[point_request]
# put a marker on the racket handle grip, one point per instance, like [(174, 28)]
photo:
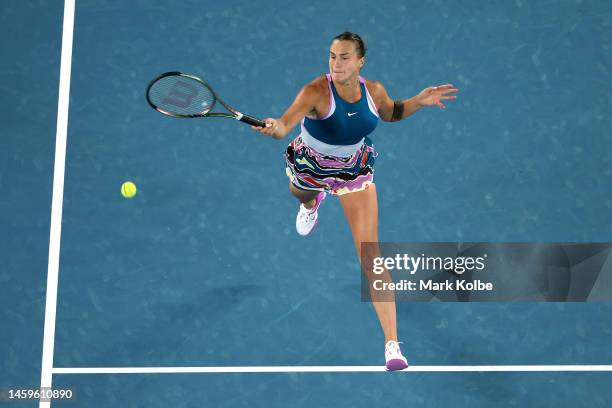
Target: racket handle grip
[(252, 121)]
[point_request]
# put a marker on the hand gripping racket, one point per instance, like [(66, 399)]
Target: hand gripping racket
[(184, 95)]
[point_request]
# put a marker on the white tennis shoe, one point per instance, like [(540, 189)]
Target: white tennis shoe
[(393, 357), (306, 218)]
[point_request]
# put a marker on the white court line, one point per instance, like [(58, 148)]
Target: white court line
[(46, 374), (325, 369)]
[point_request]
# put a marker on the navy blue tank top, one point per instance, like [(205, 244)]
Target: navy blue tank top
[(346, 123)]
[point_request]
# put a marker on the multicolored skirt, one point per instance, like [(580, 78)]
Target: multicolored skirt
[(310, 170)]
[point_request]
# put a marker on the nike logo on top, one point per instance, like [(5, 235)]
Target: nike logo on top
[(352, 113)]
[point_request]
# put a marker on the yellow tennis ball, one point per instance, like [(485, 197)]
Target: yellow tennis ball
[(128, 189)]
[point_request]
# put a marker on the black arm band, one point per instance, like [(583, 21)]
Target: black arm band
[(398, 111)]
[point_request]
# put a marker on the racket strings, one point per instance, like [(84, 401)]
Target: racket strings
[(181, 95)]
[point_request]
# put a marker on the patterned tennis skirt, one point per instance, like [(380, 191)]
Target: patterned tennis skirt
[(310, 170)]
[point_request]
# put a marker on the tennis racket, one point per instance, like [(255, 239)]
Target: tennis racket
[(182, 95)]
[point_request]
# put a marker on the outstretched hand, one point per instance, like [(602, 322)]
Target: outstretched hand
[(434, 95)]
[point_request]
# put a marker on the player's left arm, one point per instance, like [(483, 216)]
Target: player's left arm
[(393, 111)]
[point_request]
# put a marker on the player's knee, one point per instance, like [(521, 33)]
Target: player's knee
[(302, 195), (364, 232), (294, 190)]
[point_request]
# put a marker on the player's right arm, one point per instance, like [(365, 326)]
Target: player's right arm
[(305, 102)]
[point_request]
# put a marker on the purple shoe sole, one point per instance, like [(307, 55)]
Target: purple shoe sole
[(320, 197), (396, 364)]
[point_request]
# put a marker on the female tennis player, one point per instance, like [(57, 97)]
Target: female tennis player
[(334, 155)]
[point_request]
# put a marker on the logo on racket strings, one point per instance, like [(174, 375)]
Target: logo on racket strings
[(181, 95)]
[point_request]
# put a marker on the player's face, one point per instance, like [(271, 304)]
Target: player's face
[(344, 63)]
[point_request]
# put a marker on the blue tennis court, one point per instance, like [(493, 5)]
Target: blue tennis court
[(203, 268)]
